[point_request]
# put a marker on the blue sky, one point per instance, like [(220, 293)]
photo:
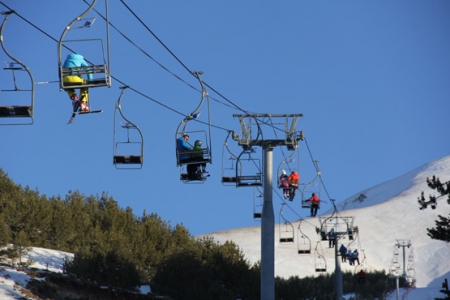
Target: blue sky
[(370, 77)]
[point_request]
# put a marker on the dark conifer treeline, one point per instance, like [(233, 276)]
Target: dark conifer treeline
[(114, 247)]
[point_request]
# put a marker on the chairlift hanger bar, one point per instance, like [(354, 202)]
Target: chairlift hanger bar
[(68, 27), (265, 143), (136, 159), (266, 115)]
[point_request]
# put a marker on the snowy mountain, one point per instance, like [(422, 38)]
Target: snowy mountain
[(386, 215)]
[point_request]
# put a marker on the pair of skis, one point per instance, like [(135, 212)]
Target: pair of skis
[(76, 111)]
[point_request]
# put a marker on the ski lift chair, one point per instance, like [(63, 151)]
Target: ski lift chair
[(286, 229), (100, 71), (257, 203), (303, 242), (16, 110), (133, 146), (320, 262), (247, 163)]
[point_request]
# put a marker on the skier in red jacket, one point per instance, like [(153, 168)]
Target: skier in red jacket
[(315, 201)]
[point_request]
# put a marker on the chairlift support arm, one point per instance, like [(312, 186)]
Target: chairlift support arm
[(7, 14), (247, 139)]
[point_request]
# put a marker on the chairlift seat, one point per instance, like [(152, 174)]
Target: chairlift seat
[(14, 68), (287, 240), (293, 184), (203, 156), (191, 161), (321, 270), (249, 180), (97, 81), (228, 179), (303, 244), (85, 70), (249, 177), (241, 184), (16, 111), (196, 177), (127, 159)]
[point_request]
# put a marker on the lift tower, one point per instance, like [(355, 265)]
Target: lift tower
[(247, 140), (403, 244), (341, 226), (395, 269)]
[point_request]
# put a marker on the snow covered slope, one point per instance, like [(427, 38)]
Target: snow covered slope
[(383, 214)]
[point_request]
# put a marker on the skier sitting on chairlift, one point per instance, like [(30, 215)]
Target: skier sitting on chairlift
[(284, 184), (314, 204), (77, 60), (198, 156), (293, 180), (183, 145)]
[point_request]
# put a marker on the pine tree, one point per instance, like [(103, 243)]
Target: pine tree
[(61, 230), (442, 230), (22, 246), (36, 216), (444, 291), (5, 232)]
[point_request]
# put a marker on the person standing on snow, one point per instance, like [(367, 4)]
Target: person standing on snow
[(331, 238), (350, 257), (343, 251), (355, 256)]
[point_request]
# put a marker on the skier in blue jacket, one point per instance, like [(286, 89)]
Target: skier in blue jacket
[(343, 251), (183, 145), (77, 60)]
